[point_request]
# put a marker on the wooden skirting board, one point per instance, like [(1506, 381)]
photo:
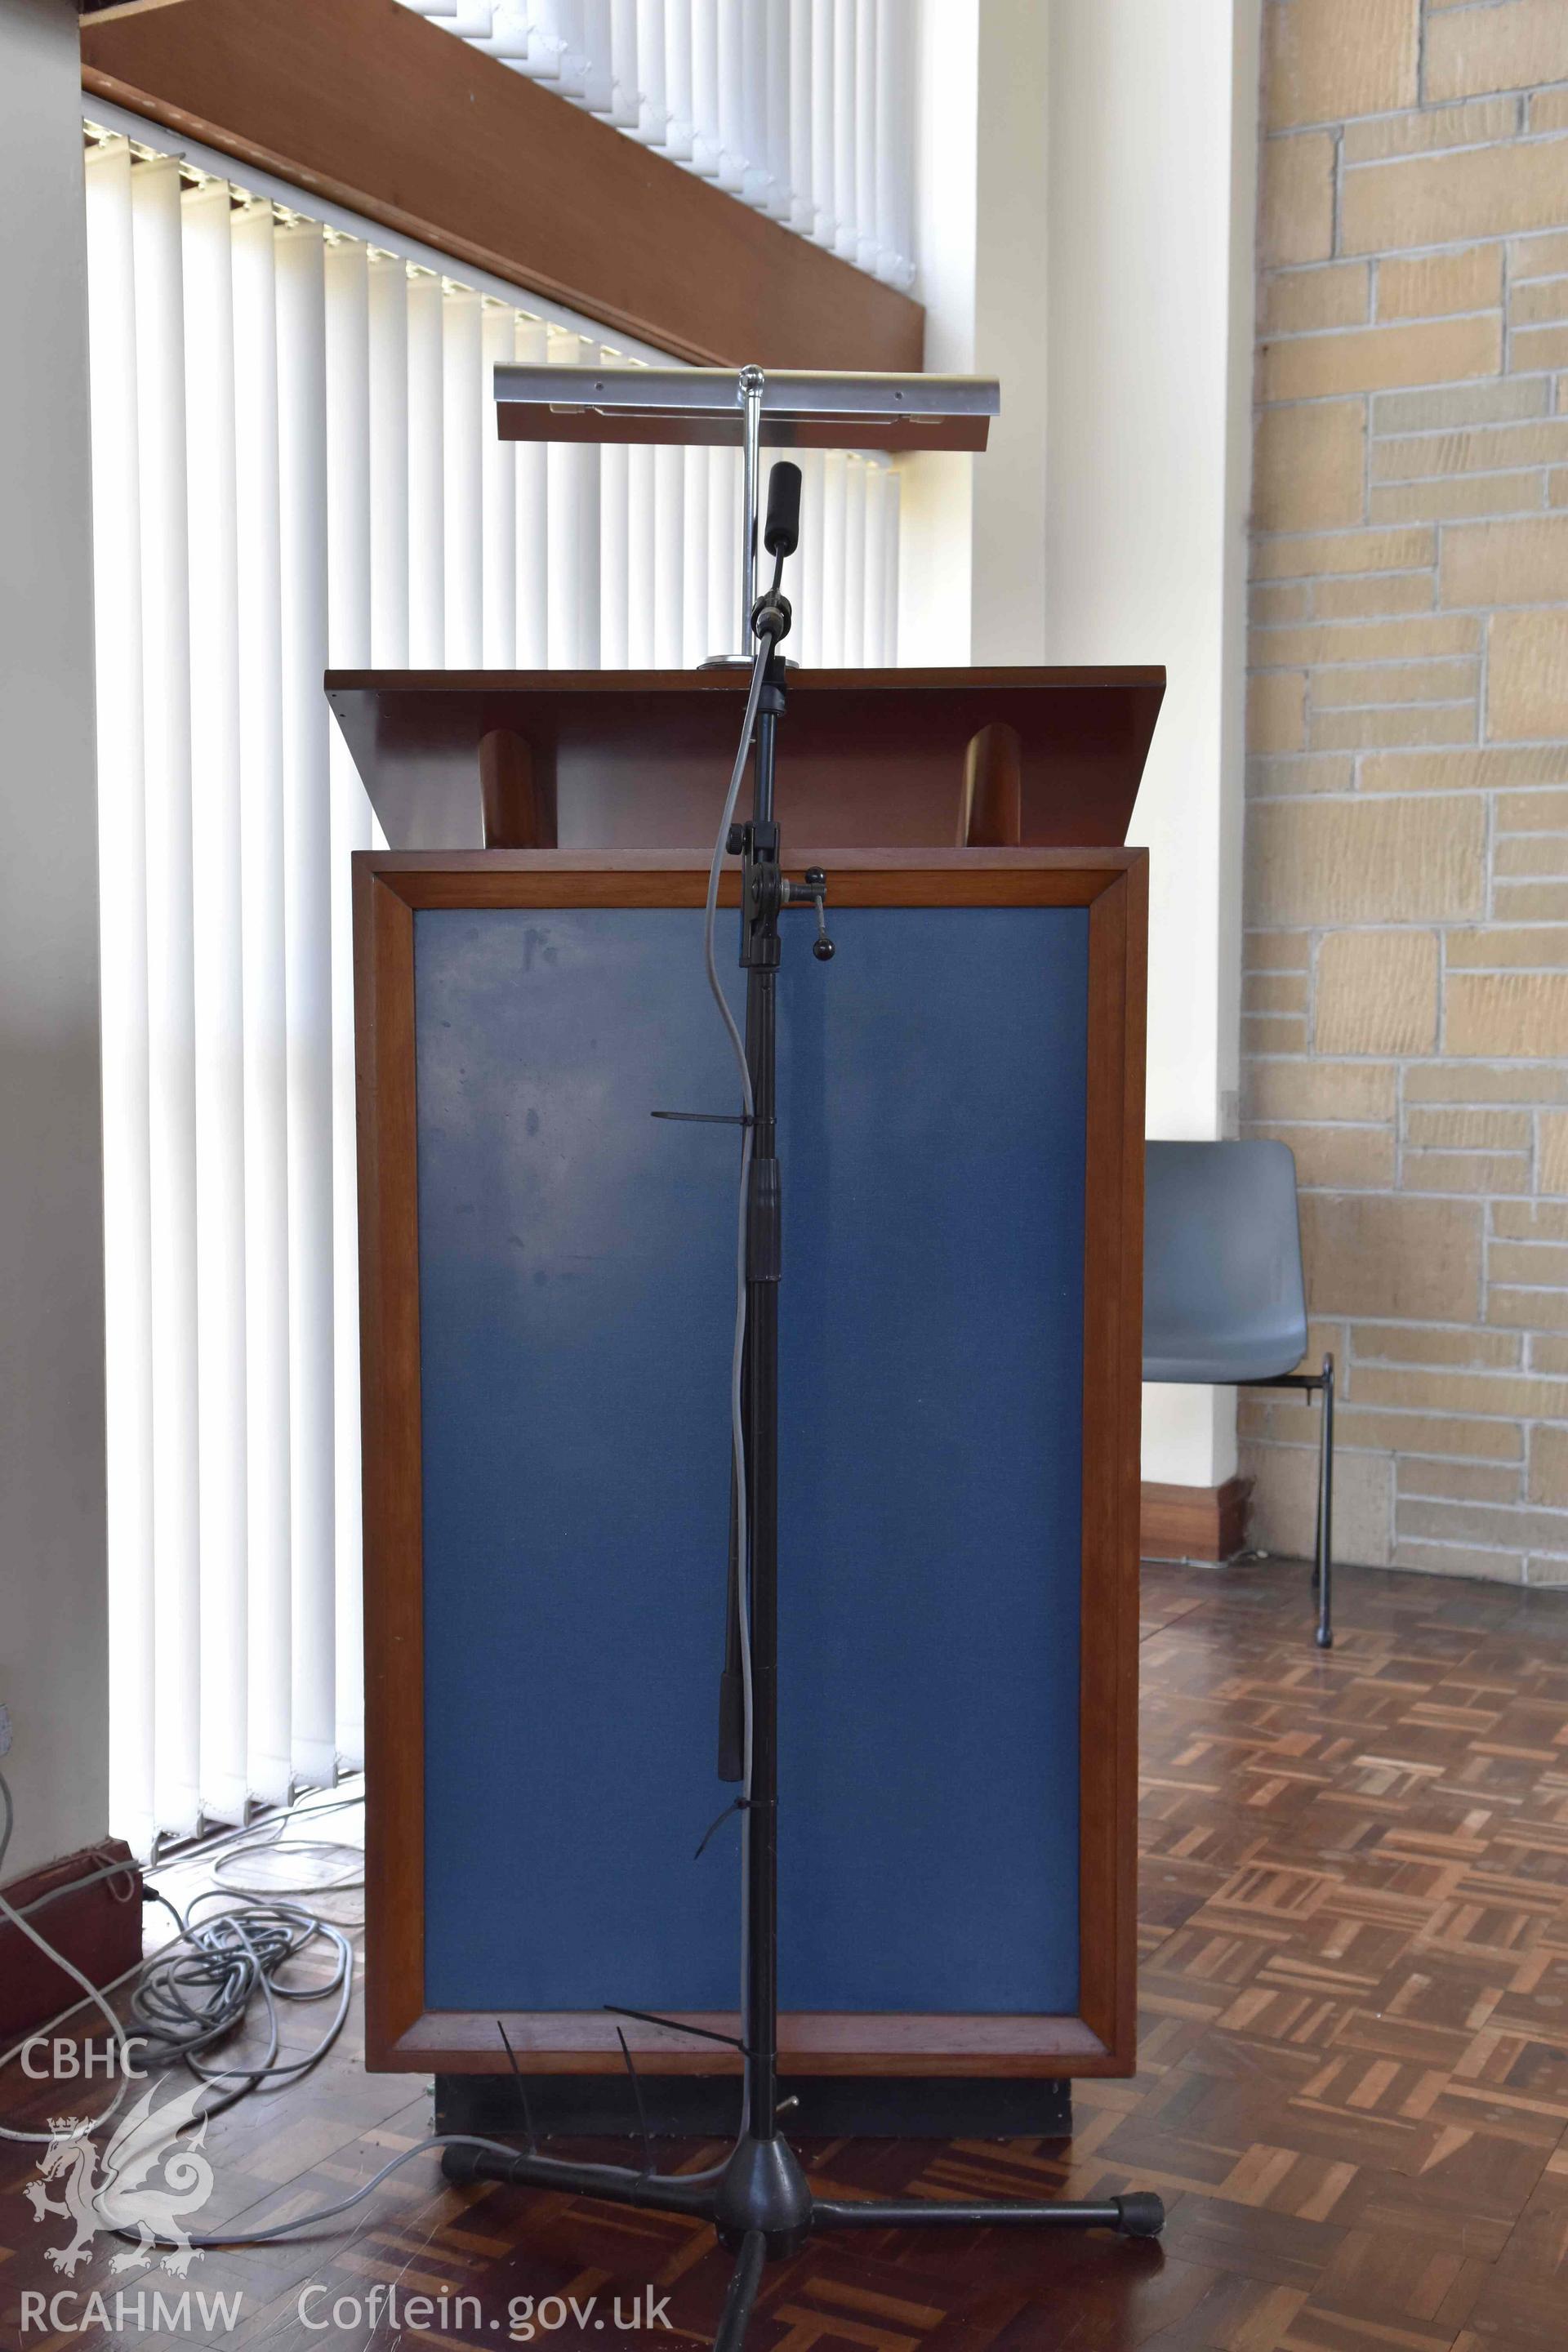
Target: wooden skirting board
[(1193, 1522)]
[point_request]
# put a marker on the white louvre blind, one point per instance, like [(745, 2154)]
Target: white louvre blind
[(801, 109), (295, 464)]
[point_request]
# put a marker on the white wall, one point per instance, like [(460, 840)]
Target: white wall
[(1151, 149), (973, 531), (1087, 200), (53, 1652)]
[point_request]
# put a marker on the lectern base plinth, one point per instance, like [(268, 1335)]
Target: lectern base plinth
[(707, 2106)]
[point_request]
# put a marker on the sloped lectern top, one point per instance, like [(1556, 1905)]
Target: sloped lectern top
[(634, 760)]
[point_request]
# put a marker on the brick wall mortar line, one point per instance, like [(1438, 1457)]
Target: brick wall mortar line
[(1423, 1061), (1411, 1192), (1438, 247), (1521, 135), (1423, 154), (1488, 845), (1443, 432), (1399, 799), (1485, 612), (1371, 661), (1379, 326), (1370, 392), (1457, 702), (1542, 470), (1344, 530), (1401, 1323), (1336, 198)]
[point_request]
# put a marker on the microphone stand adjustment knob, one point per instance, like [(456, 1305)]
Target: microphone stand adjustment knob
[(816, 883), (813, 891)]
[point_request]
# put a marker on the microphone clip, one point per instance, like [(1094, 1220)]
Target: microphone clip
[(771, 616)]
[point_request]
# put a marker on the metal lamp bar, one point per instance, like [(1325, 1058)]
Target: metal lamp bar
[(697, 406)]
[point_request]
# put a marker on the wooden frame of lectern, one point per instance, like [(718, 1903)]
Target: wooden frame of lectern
[(402, 2032)]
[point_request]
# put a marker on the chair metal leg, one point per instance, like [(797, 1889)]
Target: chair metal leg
[(1323, 1544), (1323, 1566)]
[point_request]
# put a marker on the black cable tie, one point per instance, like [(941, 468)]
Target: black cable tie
[(522, 2090), (708, 1118), (736, 1805), (677, 2025), (642, 2111)]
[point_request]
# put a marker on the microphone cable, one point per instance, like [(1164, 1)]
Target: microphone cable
[(748, 1104)]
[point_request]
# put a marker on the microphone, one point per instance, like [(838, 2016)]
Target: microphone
[(783, 527)]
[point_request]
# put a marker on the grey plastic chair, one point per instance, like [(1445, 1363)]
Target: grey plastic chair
[(1225, 1302)]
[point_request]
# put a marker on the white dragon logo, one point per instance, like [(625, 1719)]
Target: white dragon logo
[(128, 2196)]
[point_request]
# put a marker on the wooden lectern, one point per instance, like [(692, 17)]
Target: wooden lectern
[(546, 1276)]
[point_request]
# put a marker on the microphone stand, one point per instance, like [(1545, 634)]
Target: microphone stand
[(759, 2203)]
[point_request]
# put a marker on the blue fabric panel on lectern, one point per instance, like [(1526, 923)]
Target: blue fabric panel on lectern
[(576, 1295)]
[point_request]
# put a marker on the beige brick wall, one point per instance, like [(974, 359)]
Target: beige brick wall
[(1406, 987)]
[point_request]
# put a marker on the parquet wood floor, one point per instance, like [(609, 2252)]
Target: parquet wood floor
[(1353, 2084)]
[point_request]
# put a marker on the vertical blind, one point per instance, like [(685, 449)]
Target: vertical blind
[(801, 109), (295, 464)]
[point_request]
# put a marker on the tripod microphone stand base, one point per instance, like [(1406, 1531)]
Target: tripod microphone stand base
[(762, 2208)]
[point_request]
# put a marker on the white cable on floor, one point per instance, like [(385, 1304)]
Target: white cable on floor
[(233, 1958)]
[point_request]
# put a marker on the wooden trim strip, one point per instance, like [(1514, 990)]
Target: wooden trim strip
[(391, 1437), (364, 103), (879, 877), (1108, 1617), (1130, 1390), (1098, 867), (822, 2042), (1058, 678)]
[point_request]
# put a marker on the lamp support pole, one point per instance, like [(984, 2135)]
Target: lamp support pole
[(749, 393)]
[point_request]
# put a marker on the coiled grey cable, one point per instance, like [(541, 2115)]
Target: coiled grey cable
[(185, 1998)]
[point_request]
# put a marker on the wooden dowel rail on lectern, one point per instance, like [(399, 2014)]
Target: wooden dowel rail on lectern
[(516, 812), (991, 816)]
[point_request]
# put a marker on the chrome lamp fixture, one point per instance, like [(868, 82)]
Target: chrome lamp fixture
[(751, 409)]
